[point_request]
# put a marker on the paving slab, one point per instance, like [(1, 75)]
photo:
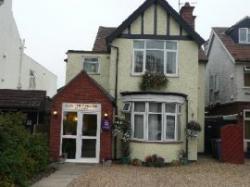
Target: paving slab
[(64, 175)]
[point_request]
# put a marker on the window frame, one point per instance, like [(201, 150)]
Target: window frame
[(246, 70), (164, 115), (32, 77), (247, 41), (245, 119), (165, 51), (98, 62), (129, 107)]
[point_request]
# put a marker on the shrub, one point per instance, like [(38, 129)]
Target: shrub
[(136, 162), (154, 161), (22, 155)]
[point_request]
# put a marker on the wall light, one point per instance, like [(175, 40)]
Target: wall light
[(55, 113), (106, 115)]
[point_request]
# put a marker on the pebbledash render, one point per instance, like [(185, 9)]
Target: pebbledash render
[(154, 38)]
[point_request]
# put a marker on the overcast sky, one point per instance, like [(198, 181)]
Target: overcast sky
[(51, 27)]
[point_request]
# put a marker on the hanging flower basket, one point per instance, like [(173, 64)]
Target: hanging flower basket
[(153, 81), (193, 129)]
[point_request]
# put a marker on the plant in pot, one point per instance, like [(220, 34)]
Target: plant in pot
[(121, 127), (153, 81)]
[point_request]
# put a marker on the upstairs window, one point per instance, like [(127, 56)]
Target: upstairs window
[(155, 56), (244, 35), (247, 76), (91, 65)]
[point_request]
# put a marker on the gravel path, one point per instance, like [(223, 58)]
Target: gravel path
[(206, 172)]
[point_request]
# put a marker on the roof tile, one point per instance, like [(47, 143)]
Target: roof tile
[(240, 52)]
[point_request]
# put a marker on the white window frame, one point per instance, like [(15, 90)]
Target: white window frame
[(98, 62), (247, 33), (164, 121), (32, 77), (216, 83), (165, 51), (246, 119), (129, 107), (133, 113), (246, 71), (166, 114)]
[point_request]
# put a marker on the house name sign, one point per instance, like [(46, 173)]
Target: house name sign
[(81, 107)]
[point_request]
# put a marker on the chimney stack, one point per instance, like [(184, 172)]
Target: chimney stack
[(186, 13)]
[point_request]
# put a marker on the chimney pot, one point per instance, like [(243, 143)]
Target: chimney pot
[(186, 13)]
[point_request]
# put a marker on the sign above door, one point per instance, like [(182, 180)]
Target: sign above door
[(82, 107)]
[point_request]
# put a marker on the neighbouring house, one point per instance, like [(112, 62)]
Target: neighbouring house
[(18, 70), (33, 103), (155, 39), (228, 74)]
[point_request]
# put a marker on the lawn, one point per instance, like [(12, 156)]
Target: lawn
[(205, 172)]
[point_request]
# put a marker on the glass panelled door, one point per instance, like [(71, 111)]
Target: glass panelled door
[(81, 137), (90, 133)]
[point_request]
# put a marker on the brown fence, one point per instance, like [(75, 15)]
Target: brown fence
[(232, 150)]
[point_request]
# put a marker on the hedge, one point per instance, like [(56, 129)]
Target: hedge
[(22, 155)]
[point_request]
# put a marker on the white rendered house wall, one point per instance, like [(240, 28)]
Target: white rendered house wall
[(10, 55)]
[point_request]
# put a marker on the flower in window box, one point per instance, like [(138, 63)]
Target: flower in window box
[(153, 81)]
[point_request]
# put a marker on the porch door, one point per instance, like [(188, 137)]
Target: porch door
[(81, 137), (89, 137)]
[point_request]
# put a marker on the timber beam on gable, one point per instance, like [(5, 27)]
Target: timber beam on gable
[(171, 15)]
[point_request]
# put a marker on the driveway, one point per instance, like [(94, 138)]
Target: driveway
[(64, 175), (206, 172)]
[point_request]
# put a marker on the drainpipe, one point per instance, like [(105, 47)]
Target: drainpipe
[(116, 75), (19, 83), (116, 93), (186, 127)]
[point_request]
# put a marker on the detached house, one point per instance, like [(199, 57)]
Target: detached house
[(228, 73), (106, 81)]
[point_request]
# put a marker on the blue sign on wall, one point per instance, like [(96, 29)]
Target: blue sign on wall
[(106, 125)]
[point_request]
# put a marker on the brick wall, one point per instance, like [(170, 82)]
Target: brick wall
[(232, 144), (82, 89)]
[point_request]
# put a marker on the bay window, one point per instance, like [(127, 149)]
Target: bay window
[(153, 121), (155, 56)]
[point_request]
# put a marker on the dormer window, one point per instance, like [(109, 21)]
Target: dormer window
[(244, 35)]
